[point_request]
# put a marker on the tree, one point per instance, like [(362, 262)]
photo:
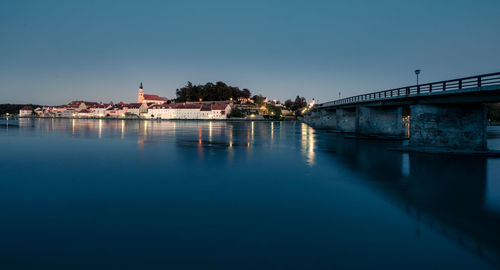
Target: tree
[(235, 112), (245, 93), (210, 92), (258, 99), (14, 108), (274, 112), (299, 103), (289, 104)]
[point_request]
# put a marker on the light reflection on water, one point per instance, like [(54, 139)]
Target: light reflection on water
[(308, 143), (218, 191)]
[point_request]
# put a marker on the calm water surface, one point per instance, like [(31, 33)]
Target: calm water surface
[(104, 194)]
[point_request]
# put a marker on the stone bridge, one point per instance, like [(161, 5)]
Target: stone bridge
[(448, 115)]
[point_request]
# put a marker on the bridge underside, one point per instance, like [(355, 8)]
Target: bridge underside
[(445, 126)]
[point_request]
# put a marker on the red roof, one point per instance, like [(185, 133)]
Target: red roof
[(159, 106), (188, 106), (133, 105), (102, 106), (84, 111), (154, 97), (77, 103), (68, 107), (27, 108), (206, 108), (219, 107)]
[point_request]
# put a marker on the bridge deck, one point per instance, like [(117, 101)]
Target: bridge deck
[(481, 88)]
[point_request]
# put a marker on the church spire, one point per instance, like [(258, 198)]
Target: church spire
[(140, 87)]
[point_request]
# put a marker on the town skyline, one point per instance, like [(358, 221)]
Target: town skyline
[(57, 52)]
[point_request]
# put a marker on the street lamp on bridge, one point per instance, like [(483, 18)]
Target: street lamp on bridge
[(417, 72)]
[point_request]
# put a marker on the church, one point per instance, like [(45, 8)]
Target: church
[(147, 99)]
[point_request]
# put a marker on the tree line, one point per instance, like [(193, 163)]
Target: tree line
[(14, 108), (299, 103), (210, 92)]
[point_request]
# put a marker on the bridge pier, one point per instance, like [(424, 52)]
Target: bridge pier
[(328, 119), (385, 121), (449, 126), (324, 119), (347, 119), (315, 119)]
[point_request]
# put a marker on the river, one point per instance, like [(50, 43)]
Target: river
[(126, 194)]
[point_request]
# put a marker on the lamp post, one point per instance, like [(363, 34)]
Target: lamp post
[(417, 72)]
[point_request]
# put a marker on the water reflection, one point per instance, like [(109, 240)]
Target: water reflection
[(453, 196), (231, 136), (272, 131), (123, 129), (447, 194), (405, 164), (100, 128), (308, 143)]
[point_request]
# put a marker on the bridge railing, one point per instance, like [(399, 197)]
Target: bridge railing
[(422, 89)]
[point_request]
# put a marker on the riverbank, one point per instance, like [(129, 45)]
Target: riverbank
[(145, 119)]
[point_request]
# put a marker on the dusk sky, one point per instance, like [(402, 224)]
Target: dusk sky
[(52, 52)]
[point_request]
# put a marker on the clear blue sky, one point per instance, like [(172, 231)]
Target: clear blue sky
[(52, 52)]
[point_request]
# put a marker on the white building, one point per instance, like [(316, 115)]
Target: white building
[(26, 111), (84, 114), (68, 113), (163, 111), (220, 111), (189, 111), (100, 110)]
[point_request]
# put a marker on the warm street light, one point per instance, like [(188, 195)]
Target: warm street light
[(417, 72)]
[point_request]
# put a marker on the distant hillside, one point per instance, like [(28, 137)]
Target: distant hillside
[(14, 108)]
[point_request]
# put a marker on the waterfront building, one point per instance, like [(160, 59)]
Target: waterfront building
[(69, 112), (26, 111), (161, 111), (137, 108), (220, 111), (146, 98), (59, 110), (75, 106), (38, 111), (85, 113), (100, 110), (189, 111), (116, 111), (44, 111)]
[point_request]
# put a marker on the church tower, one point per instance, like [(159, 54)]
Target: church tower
[(140, 99)]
